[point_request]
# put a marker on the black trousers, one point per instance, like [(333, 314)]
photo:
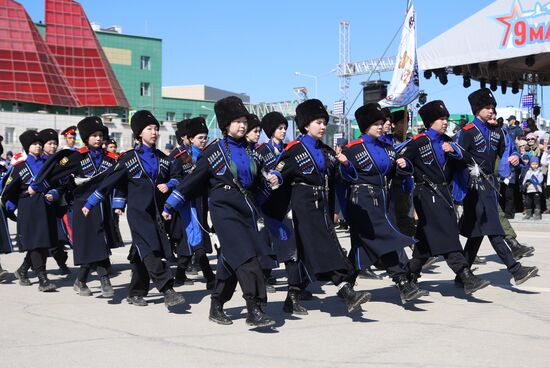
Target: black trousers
[(295, 275), (37, 259), (152, 267), (500, 247), (59, 254), (533, 201), (455, 260), (509, 201), (250, 277), (393, 266), (202, 259), (101, 267)]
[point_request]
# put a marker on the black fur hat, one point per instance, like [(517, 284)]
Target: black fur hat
[(481, 98), (253, 122), (29, 137), (271, 121), (181, 129), (89, 125), (308, 111), (432, 111), (142, 119), (228, 109), (368, 114), (196, 126), (48, 135)]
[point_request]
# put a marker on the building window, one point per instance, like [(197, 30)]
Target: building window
[(186, 115), (170, 116), (117, 137), (172, 140), (8, 136), (145, 63), (145, 89)]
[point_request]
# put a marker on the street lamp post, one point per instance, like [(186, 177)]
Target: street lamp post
[(308, 76)]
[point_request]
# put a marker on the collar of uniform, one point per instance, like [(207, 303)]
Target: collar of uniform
[(368, 139), (95, 150), (434, 135), (146, 149), (195, 151), (239, 143), (310, 141), (278, 146), (481, 125), (32, 158)]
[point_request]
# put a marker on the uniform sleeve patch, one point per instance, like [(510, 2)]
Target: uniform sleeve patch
[(280, 166), (468, 126), (64, 161)]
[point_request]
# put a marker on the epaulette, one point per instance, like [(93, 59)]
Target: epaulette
[(259, 146), (355, 142), (112, 155), (292, 144), (83, 150), (19, 162), (468, 126), (419, 136)]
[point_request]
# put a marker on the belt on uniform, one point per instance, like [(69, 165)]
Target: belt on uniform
[(229, 187), (314, 187), (369, 186)]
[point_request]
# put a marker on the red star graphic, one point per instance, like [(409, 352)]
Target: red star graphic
[(516, 12)]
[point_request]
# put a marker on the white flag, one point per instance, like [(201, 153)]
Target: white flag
[(404, 84)]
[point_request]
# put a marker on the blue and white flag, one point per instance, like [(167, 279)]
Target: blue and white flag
[(404, 86)]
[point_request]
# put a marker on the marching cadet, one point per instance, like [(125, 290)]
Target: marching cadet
[(267, 262), (92, 235), (482, 143), (308, 168), (230, 171), (197, 133), (36, 225), (51, 141), (275, 125), (371, 163), (183, 163), (70, 138), (145, 175), (435, 158)]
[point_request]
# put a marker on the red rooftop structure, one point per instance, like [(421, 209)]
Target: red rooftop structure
[(73, 43), (28, 71)]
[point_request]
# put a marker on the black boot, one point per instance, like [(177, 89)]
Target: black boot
[(107, 290), (22, 274), (81, 288), (217, 314), (44, 284), (471, 282), (524, 274), (368, 273), (519, 250), (136, 300), (408, 291), (3, 274), (255, 316), (353, 298), (181, 277), (292, 302), (413, 280), (171, 298), (537, 214), (193, 268)]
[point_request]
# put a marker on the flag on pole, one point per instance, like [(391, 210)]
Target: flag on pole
[(404, 86)]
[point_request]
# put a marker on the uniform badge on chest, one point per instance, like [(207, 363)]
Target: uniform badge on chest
[(364, 161), (426, 154), (304, 163), (480, 143), (495, 139)]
